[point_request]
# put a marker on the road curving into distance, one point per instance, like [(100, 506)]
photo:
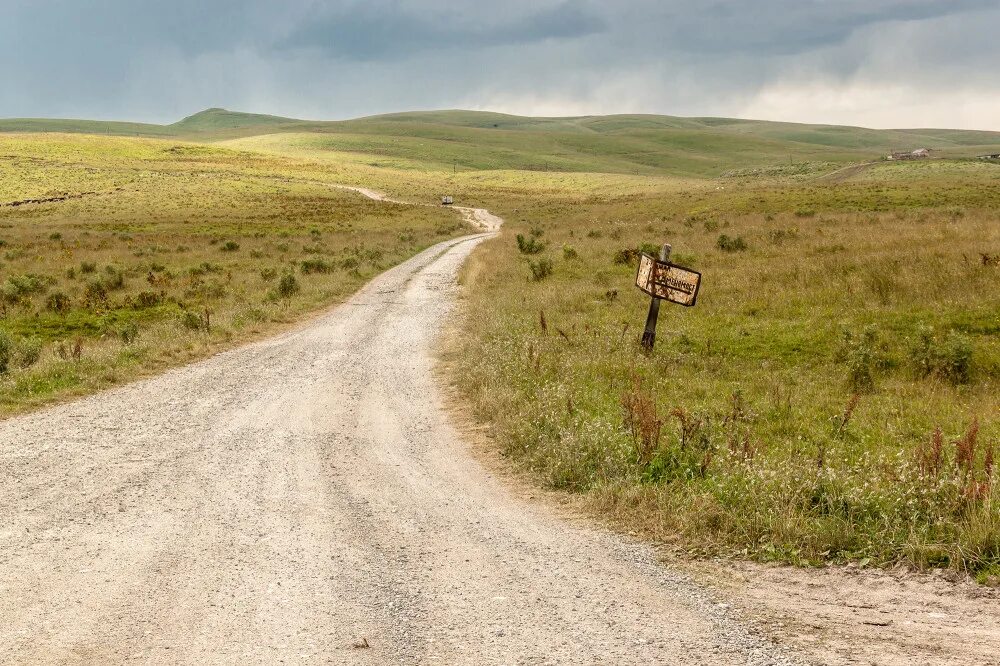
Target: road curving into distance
[(305, 500)]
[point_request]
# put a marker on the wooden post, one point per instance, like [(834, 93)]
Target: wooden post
[(649, 335)]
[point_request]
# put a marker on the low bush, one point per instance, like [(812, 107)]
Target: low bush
[(147, 299), (863, 355), (191, 320), (19, 287), (731, 244), (129, 333), (288, 286), (948, 356), (59, 302), (27, 351), (316, 266), (529, 245), (6, 351), (541, 269)]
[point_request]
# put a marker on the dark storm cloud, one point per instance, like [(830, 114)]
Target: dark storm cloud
[(787, 26), (386, 31), (899, 62)]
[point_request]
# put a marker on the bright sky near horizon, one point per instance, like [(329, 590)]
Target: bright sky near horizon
[(876, 63)]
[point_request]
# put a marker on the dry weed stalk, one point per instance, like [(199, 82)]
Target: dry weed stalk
[(845, 418), (965, 449), (930, 455), (690, 425), (640, 419)]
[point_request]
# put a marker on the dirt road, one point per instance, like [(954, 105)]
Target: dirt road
[(305, 500)]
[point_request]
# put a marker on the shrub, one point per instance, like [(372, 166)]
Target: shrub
[(230, 246), (268, 274), (728, 244), (316, 266), (191, 320), (529, 245), (6, 351), (55, 235), (948, 356), (129, 332), (95, 293), (58, 302), (114, 280), (288, 286), (541, 269), (863, 355), (88, 267), (147, 299), (569, 252), (27, 352), (19, 287)]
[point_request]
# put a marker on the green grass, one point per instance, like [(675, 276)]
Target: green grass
[(759, 373), (139, 243), (790, 416), (626, 144)]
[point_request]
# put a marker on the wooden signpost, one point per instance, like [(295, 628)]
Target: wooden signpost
[(664, 281)]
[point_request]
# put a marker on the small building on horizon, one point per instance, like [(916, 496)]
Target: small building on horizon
[(918, 154)]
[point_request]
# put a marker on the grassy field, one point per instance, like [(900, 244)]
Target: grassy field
[(638, 144), (833, 396), (120, 257)]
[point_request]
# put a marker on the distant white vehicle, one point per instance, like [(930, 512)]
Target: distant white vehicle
[(447, 201)]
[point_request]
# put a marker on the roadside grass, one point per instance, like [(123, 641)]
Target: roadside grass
[(146, 254), (833, 397)]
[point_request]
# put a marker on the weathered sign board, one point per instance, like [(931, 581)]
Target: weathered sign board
[(669, 282)]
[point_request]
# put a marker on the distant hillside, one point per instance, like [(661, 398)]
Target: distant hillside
[(214, 120), (645, 144)]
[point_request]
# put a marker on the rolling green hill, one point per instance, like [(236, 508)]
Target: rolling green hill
[(639, 144)]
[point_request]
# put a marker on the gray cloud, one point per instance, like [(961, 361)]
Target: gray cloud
[(376, 31), (874, 62)]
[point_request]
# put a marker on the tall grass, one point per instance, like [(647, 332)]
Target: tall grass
[(151, 255), (833, 396)]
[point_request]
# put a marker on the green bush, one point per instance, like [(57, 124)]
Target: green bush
[(19, 287), (541, 269), (728, 244), (316, 266), (95, 293), (58, 302), (863, 355), (569, 252), (6, 351), (230, 246), (147, 299), (22, 353), (288, 286), (27, 352), (129, 332), (948, 356), (191, 320), (529, 245)]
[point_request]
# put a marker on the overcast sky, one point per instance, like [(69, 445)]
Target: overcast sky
[(878, 63)]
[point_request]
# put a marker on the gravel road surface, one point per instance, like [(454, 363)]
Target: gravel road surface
[(305, 500)]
